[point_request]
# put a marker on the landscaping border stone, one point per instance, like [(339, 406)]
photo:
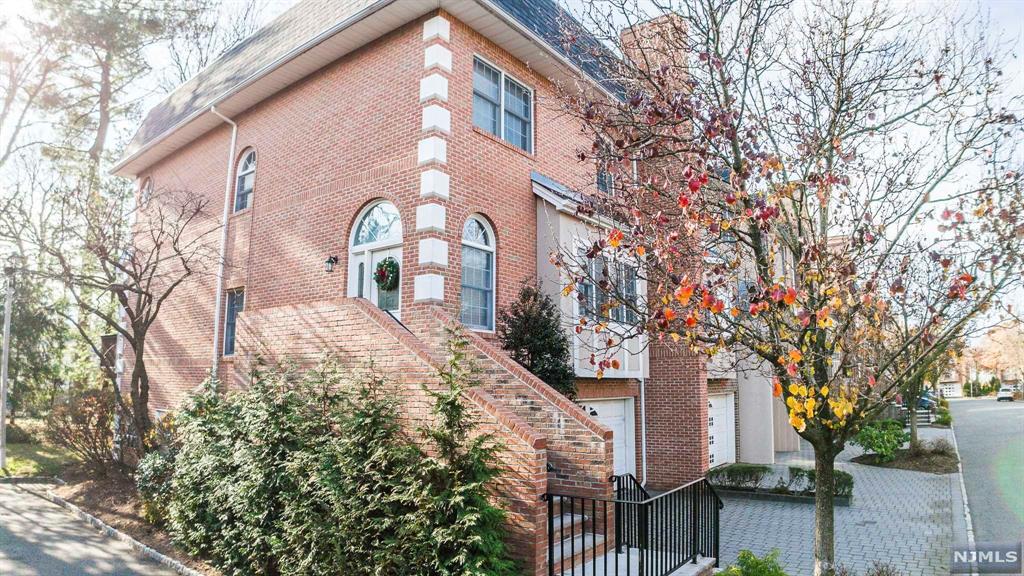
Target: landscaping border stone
[(775, 497), (105, 528)]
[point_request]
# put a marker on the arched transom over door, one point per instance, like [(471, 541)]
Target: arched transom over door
[(375, 257)]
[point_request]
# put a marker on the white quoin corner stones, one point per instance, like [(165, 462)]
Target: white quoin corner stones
[(437, 56), (434, 184), (433, 252), (430, 218), (432, 150), (432, 155), (428, 288), (434, 87), (437, 118), (437, 27)]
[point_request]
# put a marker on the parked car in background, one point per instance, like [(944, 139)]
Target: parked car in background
[(1005, 393)]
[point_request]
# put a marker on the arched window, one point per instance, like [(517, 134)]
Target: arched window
[(146, 192), (376, 238), (478, 274), (245, 180)]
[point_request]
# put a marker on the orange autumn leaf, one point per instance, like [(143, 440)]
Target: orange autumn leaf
[(691, 321), (790, 297), (795, 355), (615, 238), (734, 312), (717, 307), (683, 293), (615, 364), (777, 388), (670, 314)]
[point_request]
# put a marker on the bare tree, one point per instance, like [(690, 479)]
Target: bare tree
[(119, 262), (216, 28), (783, 179), (28, 63)]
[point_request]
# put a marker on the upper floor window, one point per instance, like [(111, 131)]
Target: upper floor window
[(477, 274), (502, 106), (235, 304), (614, 296), (146, 192), (605, 183), (245, 181)]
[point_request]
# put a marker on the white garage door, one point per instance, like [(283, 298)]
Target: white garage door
[(721, 430), (617, 415)]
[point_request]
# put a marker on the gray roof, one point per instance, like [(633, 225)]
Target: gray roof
[(310, 18), (300, 23)]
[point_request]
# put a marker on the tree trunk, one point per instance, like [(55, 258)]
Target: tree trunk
[(140, 400), (913, 426), (824, 512)]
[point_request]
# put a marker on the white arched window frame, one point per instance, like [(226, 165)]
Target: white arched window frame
[(245, 180), (477, 296), (378, 229)]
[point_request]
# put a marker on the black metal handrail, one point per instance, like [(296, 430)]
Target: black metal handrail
[(652, 536)]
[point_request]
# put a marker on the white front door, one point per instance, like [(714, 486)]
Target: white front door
[(721, 430), (618, 416), (389, 300)]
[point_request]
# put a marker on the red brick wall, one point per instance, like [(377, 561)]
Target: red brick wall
[(363, 338), (677, 416)]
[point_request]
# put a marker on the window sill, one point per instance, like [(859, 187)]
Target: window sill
[(505, 144), (241, 212), (227, 358)]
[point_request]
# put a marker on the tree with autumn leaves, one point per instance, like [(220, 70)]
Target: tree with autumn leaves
[(833, 191)]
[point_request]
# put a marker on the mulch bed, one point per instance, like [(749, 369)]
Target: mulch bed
[(114, 499), (934, 462)]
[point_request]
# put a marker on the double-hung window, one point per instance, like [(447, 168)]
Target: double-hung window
[(477, 306), (235, 304), (245, 181), (502, 106), (609, 291)]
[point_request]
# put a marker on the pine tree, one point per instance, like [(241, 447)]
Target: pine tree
[(530, 330)]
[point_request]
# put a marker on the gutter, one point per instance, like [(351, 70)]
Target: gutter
[(218, 295), (301, 49)]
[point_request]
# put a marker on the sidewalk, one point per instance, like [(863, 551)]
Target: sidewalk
[(901, 517), (38, 538)]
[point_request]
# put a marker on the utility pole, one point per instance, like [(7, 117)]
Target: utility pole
[(8, 299)]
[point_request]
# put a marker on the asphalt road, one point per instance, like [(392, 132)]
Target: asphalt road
[(38, 538), (990, 436)]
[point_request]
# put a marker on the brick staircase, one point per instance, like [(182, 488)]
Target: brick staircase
[(551, 445)]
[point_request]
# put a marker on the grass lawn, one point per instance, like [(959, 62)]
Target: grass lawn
[(35, 459)]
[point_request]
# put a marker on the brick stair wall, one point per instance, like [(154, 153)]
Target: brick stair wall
[(535, 425)]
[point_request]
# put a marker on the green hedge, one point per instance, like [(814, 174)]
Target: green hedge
[(883, 437), (309, 474), (739, 475)]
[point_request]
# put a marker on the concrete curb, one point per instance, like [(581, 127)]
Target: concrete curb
[(963, 493), (31, 480), (108, 530)]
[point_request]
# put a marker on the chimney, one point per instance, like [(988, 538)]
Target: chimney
[(658, 44)]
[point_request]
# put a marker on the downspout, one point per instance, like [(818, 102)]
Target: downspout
[(218, 298), (643, 419)]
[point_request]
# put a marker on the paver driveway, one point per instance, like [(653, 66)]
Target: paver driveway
[(901, 517), (39, 538)]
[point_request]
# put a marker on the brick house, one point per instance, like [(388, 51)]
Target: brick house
[(347, 133)]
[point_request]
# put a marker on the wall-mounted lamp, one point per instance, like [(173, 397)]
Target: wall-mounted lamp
[(329, 263)]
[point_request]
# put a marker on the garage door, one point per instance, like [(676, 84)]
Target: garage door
[(618, 416), (721, 430)]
